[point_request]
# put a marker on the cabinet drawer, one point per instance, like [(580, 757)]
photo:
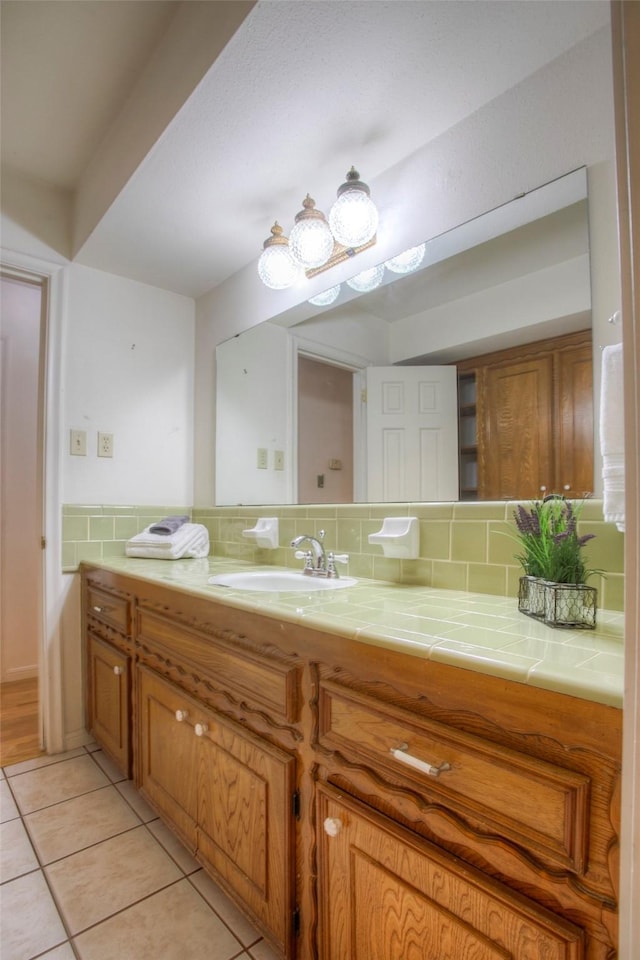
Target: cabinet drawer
[(536, 804), (109, 609), (265, 683)]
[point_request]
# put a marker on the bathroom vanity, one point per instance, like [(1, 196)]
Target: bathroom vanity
[(355, 795)]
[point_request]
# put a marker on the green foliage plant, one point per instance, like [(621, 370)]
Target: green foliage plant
[(550, 546)]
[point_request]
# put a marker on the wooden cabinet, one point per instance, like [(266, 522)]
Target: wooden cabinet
[(534, 415), (387, 894), (109, 673), (358, 802), (228, 795)]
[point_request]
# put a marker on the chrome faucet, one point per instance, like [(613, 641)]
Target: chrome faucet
[(317, 563)]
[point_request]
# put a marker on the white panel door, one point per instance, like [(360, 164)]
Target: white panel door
[(412, 434)]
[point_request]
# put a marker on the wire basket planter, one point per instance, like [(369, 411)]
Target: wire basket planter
[(569, 605)]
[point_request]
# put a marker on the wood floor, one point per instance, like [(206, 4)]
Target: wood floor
[(19, 736)]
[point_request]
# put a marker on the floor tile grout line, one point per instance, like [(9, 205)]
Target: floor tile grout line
[(259, 936)]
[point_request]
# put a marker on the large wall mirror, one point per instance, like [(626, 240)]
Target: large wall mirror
[(424, 388)]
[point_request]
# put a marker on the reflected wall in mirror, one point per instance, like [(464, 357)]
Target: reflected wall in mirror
[(516, 276)]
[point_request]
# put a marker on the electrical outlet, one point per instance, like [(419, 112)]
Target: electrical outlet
[(278, 459), (78, 446), (105, 444), (262, 458)]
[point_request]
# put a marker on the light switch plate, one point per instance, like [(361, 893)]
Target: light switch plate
[(78, 443)]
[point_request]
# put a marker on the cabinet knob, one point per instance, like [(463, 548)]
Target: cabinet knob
[(98, 609), (200, 729), (567, 486), (117, 671), (181, 715), (332, 826), (542, 488)]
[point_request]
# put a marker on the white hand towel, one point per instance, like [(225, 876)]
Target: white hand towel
[(191, 540), (612, 435)]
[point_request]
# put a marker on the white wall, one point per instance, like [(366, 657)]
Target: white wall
[(252, 411), (128, 370)]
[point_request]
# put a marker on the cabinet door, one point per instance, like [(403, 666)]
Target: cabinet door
[(109, 677), (245, 823), (385, 894), (517, 458), (574, 463), (169, 751)]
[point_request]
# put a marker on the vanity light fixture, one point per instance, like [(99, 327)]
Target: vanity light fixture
[(408, 261), (325, 298), (276, 267), (315, 244), (367, 280)]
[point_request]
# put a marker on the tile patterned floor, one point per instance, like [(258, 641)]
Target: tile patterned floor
[(88, 872)]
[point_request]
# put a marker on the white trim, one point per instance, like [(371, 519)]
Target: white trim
[(51, 277)]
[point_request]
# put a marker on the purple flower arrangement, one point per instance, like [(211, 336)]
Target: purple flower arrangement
[(550, 546)]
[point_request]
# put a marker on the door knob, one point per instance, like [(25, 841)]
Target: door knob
[(200, 729), (181, 715), (332, 826), (117, 671)]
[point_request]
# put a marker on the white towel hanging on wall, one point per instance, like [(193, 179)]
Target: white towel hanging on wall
[(612, 435)]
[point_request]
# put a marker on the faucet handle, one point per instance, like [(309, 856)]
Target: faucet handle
[(332, 559), (339, 557), (302, 554)]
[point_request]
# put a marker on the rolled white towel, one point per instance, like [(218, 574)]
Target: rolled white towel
[(612, 435)]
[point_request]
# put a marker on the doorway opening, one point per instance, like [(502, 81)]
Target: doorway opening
[(22, 369), (325, 432)]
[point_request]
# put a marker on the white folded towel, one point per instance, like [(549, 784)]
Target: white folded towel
[(190, 540), (612, 435)]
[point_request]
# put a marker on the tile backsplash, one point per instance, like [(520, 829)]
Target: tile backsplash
[(463, 546)]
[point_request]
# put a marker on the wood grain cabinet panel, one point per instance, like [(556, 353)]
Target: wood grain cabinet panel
[(114, 611), (385, 894), (108, 697), (228, 794), (538, 805)]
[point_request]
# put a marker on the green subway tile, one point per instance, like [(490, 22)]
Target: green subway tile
[(435, 539), (488, 578), (69, 559), (382, 510), (353, 511), (360, 565), (321, 510), (349, 536), (513, 580), (417, 572), (591, 510), (90, 550), (502, 544), (75, 528), (125, 527), (431, 511), (113, 548), (119, 510), (101, 528), (449, 576), (387, 568), (79, 510), (606, 552), (611, 596), (469, 541), (479, 511)]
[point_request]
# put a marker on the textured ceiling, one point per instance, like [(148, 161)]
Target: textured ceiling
[(300, 92)]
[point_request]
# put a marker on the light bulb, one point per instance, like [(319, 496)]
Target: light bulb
[(310, 241), (326, 297), (408, 260), (276, 267), (353, 218), (367, 279)]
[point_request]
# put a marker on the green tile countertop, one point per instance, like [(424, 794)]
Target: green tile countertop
[(475, 631)]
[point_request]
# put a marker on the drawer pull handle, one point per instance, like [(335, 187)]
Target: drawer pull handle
[(332, 826), (181, 715), (400, 753), (200, 729), (117, 671), (98, 609)]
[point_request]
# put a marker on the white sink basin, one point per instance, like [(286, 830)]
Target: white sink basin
[(279, 580)]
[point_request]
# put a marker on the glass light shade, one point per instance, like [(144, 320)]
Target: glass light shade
[(367, 280), (276, 267), (353, 218), (326, 297), (408, 260), (310, 240)]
